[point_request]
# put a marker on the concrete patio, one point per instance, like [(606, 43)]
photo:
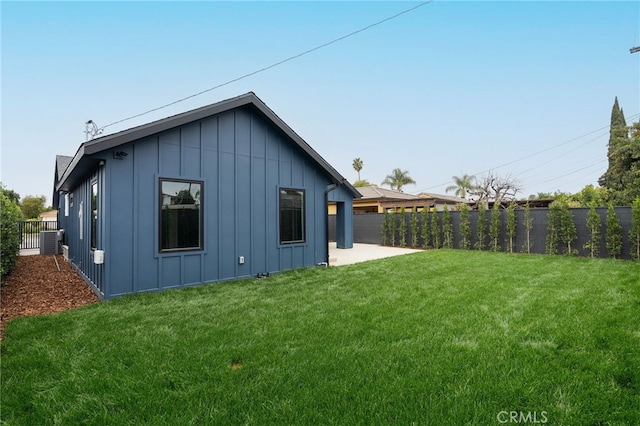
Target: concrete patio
[(363, 252)]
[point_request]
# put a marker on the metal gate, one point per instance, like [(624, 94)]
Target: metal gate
[(30, 232)]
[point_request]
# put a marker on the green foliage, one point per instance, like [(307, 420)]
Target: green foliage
[(385, 228), (465, 227), (462, 185), (11, 194), (634, 232), (512, 224), (494, 227), (447, 228), (569, 233), (414, 227), (613, 233), (393, 226), (590, 194), (357, 165), (622, 177), (402, 227), (554, 228), (481, 226), (435, 230), (10, 217), (528, 227), (593, 225), (32, 206), (361, 183), (397, 179), (425, 228)]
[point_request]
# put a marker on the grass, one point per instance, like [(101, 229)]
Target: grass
[(438, 337)]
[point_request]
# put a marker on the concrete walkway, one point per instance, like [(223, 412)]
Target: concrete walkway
[(362, 253)]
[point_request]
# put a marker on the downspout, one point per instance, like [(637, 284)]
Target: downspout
[(326, 214)]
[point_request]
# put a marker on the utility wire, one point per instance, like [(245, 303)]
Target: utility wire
[(306, 52), (628, 118)]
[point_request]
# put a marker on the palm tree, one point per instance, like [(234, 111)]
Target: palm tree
[(462, 185), (357, 165), (397, 179)]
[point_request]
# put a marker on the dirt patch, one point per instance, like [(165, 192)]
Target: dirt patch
[(36, 287)]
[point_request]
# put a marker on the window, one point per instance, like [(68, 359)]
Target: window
[(94, 215), (292, 226), (181, 215)]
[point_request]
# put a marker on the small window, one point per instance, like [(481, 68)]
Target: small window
[(94, 215), (292, 226), (181, 215)]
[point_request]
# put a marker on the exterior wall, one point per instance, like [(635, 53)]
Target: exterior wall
[(243, 161)]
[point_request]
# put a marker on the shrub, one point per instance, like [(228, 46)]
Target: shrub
[(528, 226), (392, 227), (614, 234), (426, 230), (593, 224), (403, 227), (465, 227), (10, 216), (512, 224), (447, 228), (414, 227), (568, 233), (385, 227), (494, 227), (481, 228), (435, 230), (554, 227)]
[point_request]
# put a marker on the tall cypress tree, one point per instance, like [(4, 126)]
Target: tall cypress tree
[(616, 177)]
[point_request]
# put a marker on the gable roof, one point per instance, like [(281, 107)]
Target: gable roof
[(377, 193), (80, 165), (62, 162)]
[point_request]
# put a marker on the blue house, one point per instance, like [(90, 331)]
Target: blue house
[(216, 193)]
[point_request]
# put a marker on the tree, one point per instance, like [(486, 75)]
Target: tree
[(414, 227), (554, 227), (435, 230), (512, 224), (593, 224), (360, 183), (10, 217), (494, 227), (32, 206), (447, 228), (481, 227), (426, 229), (357, 165), (622, 177), (613, 236), (463, 185), (397, 179), (403, 227), (528, 226), (11, 194), (491, 187), (590, 194), (465, 227), (568, 229), (385, 227)]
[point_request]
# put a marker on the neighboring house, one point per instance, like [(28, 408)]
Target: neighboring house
[(376, 200), (50, 216), (438, 201), (219, 192)]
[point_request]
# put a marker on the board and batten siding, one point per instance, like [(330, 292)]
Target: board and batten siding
[(243, 161)]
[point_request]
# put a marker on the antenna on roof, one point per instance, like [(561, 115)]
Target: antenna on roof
[(91, 130)]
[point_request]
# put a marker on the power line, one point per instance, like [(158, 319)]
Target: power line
[(306, 52), (628, 118)]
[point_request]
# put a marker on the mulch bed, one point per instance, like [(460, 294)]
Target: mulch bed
[(36, 287)]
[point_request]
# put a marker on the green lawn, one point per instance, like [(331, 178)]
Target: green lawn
[(438, 337)]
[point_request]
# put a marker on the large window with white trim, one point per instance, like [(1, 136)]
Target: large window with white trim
[(181, 215), (292, 212)]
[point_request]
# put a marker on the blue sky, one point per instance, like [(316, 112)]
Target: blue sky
[(450, 88)]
